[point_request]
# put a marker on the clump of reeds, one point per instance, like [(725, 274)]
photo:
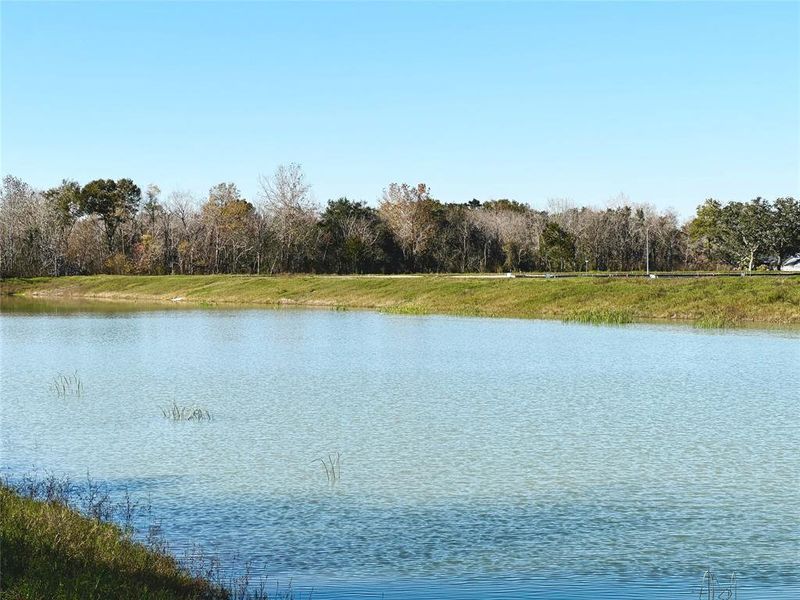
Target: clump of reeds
[(711, 587), (67, 385), (600, 317), (714, 321), (332, 466), (185, 413)]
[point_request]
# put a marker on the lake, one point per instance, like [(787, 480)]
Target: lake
[(479, 458)]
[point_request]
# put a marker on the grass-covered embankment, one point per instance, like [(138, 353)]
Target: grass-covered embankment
[(709, 301), (49, 551)]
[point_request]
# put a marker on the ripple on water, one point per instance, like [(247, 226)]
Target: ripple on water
[(479, 457)]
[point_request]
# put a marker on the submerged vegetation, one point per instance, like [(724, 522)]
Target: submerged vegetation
[(732, 300)]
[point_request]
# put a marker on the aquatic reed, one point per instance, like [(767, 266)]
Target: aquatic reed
[(185, 413), (711, 587), (332, 466), (67, 385)]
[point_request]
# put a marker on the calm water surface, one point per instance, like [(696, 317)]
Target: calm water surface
[(479, 458)]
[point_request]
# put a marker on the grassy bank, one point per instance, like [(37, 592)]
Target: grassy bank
[(707, 301), (49, 551)]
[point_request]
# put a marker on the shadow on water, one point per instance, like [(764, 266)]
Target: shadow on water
[(113, 502)]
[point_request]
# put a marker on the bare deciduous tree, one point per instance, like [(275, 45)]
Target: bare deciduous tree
[(290, 214), (408, 211)]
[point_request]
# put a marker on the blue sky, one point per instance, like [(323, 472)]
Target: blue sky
[(667, 103)]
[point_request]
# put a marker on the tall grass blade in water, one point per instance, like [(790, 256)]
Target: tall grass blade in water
[(332, 466), (67, 385), (185, 413)]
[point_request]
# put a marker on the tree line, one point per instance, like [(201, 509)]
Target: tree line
[(112, 226)]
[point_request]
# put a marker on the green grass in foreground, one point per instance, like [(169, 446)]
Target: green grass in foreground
[(708, 301), (49, 551)]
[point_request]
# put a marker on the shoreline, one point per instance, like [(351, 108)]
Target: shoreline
[(51, 549), (705, 301)]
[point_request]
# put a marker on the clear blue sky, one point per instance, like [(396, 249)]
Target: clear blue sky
[(669, 103)]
